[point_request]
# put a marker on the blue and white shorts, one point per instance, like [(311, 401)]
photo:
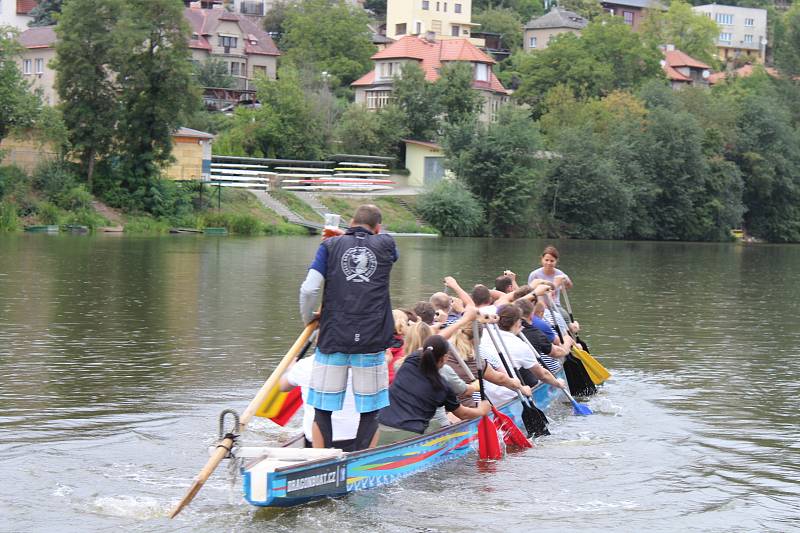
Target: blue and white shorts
[(329, 381)]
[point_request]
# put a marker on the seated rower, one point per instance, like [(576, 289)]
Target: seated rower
[(418, 390), (344, 422), (551, 355), (520, 355), (395, 352)]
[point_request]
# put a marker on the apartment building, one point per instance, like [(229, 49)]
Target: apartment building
[(441, 19), (539, 31), (742, 30)]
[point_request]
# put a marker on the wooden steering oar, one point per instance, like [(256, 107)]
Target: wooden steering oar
[(572, 318), (224, 447)]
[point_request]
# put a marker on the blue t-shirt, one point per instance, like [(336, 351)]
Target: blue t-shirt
[(542, 325)]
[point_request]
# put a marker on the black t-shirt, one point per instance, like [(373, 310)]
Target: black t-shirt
[(413, 399), (537, 337)]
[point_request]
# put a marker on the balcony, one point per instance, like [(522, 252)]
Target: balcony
[(254, 8)]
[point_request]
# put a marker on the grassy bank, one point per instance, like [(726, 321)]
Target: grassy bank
[(396, 216)]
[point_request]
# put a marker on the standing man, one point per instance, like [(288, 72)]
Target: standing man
[(356, 325)]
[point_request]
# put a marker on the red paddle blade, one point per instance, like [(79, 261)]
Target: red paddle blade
[(488, 443), (292, 402), (511, 432)]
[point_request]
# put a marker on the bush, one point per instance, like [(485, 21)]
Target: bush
[(48, 213), (9, 221), (76, 199), (240, 224), (86, 217), (11, 178), (452, 209), (55, 180)]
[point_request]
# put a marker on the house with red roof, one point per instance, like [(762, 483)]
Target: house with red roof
[(683, 70), (16, 13), (374, 89)]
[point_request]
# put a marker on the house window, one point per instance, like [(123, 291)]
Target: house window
[(26, 66), (252, 7), (39, 66), (445, 7), (259, 70), (627, 16), (458, 8), (533, 42), (481, 72), (725, 37), (228, 42), (418, 28), (426, 4), (455, 30), (748, 39), (400, 29), (238, 69), (388, 70), (437, 6), (749, 23), (724, 19), (378, 99)]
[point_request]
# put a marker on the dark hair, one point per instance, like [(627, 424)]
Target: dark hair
[(509, 314), (368, 215), (433, 350), (522, 291), (502, 283), (481, 295), (525, 307), (425, 311), (550, 250)]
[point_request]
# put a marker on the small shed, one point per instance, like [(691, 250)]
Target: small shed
[(192, 153), (425, 162)]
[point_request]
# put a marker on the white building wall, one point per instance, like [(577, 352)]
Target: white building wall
[(9, 17), (741, 29)]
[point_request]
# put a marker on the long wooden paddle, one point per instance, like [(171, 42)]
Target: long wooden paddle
[(534, 419), (577, 408), (224, 447), (488, 443), (572, 318), (596, 371)]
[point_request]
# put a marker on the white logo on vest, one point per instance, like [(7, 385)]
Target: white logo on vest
[(358, 264)]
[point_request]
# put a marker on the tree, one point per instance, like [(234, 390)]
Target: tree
[(419, 102), (499, 165), (787, 49), (274, 20), (84, 63), (331, 37), (19, 107), (607, 56), (458, 101), (588, 9), (450, 208), (45, 12), (504, 21), (525, 9), (690, 32), (361, 131), (214, 73), (154, 76)]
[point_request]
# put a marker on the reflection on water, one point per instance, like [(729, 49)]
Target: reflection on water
[(116, 354)]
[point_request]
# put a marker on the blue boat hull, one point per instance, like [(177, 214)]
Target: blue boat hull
[(376, 467)]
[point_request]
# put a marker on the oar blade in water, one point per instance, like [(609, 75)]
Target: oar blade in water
[(488, 443), (511, 433)]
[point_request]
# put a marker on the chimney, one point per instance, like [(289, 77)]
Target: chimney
[(430, 36)]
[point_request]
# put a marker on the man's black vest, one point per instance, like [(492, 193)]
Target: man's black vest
[(356, 309)]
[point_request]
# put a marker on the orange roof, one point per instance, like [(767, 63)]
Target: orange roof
[(24, 7), (204, 23), (431, 55), (432, 146), (742, 72), (676, 58), (674, 75)]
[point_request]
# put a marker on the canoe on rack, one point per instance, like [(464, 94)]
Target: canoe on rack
[(293, 474)]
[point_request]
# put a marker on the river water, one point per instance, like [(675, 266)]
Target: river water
[(117, 354)]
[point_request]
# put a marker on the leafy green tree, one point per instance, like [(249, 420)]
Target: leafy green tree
[(330, 37), (45, 12), (499, 165), (361, 131), (19, 106), (419, 102), (787, 49), (690, 32), (376, 6), (606, 57), (457, 99), (274, 20), (214, 73), (85, 53), (525, 9), (504, 21), (450, 208), (588, 9), (154, 76)]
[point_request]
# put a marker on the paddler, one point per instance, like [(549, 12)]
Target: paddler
[(356, 324)]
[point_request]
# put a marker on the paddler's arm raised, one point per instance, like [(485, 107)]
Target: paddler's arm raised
[(311, 289)]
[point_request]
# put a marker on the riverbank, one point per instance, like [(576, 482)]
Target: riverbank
[(26, 201)]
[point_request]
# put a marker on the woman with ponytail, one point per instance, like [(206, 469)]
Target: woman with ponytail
[(418, 390)]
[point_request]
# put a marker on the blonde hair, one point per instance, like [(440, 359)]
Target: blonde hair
[(462, 341), (416, 335), (400, 322)]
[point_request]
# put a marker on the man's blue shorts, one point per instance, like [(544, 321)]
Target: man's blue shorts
[(329, 381)]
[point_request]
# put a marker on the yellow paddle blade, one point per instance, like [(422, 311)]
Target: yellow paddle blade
[(272, 404), (596, 371)]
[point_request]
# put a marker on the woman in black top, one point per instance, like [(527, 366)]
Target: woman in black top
[(418, 390)]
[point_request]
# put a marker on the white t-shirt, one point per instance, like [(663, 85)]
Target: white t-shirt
[(344, 422), (521, 356), (488, 310)]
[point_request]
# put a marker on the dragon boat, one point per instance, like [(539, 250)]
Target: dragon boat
[(292, 474)]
